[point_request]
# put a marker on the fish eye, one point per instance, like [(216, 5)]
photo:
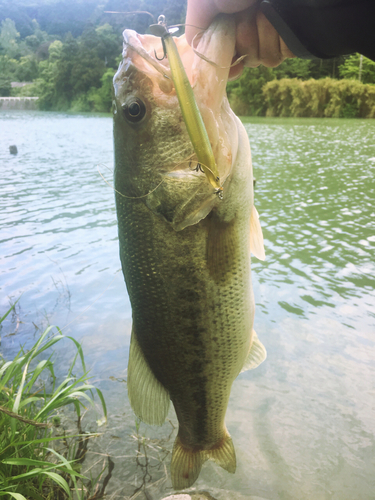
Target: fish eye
[(134, 110)]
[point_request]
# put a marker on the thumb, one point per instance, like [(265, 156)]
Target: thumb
[(199, 16)]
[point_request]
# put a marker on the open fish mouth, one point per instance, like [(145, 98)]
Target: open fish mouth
[(207, 68)]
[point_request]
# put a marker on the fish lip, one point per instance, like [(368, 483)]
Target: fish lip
[(137, 43)]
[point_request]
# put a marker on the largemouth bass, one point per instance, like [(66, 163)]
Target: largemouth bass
[(185, 252)]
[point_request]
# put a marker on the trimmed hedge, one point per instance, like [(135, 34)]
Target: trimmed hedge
[(319, 98)]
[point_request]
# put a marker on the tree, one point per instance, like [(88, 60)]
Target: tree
[(101, 99), (5, 86), (294, 68), (109, 44), (245, 94), (27, 69), (55, 51), (9, 38), (351, 68)]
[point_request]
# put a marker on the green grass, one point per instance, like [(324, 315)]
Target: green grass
[(30, 465)]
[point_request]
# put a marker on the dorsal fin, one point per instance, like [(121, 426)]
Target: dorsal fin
[(256, 236)]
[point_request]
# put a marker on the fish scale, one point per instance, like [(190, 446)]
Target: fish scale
[(163, 306)]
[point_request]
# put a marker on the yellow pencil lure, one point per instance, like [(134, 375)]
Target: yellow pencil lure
[(189, 108)]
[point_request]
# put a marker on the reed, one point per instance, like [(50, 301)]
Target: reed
[(30, 465), (319, 98)]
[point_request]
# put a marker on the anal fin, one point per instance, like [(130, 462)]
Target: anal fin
[(148, 397), (256, 356)]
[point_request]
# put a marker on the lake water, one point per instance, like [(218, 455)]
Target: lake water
[(303, 423)]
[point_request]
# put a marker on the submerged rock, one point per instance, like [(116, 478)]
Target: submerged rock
[(13, 150), (218, 495), (194, 496)]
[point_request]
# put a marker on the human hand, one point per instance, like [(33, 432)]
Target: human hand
[(255, 36)]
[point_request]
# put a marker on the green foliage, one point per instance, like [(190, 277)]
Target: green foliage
[(351, 69), (101, 99), (8, 68), (107, 44), (27, 69), (294, 68), (245, 94), (277, 91), (29, 467), (70, 50), (5, 86), (75, 75), (320, 98), (9, 38)]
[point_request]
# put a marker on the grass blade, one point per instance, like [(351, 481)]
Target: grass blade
[(9, 311), (60, 481), (100, 394), (79, 349), (17, 496)]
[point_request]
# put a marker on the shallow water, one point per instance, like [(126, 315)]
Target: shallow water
[(303, 422)]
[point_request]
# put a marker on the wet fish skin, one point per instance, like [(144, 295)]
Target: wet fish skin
[(186, 261)]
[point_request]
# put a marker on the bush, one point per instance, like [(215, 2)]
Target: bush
[(319, 98), (245, 94)]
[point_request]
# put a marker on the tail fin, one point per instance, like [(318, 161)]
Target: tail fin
[(224, 455), (187, 464)]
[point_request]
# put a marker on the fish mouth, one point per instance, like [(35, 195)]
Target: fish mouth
[(207, 66), (146, 47), (213, 54)]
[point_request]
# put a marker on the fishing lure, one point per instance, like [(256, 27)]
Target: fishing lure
[(189, 108)]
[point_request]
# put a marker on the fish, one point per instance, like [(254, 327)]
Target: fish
[(184, 250)]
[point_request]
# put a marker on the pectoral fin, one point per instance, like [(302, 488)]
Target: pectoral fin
[(256, 236), (148, 397), (179, 206), (256, 356)]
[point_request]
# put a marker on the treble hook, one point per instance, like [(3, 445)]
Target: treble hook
[(164, 51), (160, 30)]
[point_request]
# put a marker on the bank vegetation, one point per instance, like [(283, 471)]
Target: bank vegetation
[(70, 55), (278, 92)]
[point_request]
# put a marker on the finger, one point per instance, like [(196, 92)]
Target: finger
[(201, 13), (247, 40), (235, 71), (285, 52), (269, 42), (234, 5), (199, 16)]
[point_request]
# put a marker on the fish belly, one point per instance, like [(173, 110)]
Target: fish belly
[(193, 311)]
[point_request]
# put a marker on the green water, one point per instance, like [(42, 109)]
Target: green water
[(303, 422)]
